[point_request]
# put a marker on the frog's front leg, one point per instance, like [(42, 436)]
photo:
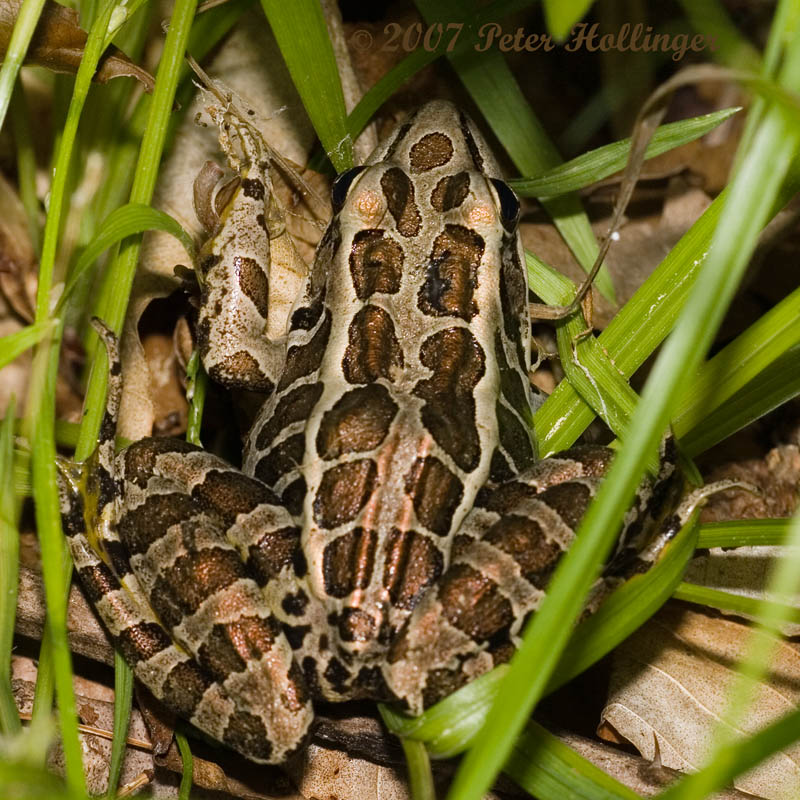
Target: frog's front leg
[(249, 271), (177, 551), (502, 560)]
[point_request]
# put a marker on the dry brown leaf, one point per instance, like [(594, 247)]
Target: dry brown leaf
[(95, 709), (58, 43), (743, 571), (671, 681)]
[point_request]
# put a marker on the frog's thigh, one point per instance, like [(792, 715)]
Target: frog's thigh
[(186, 528), (503, 558)]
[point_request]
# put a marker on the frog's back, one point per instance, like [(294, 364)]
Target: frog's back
[(401, 362)]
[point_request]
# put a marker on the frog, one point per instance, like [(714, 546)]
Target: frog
[(391, 528)]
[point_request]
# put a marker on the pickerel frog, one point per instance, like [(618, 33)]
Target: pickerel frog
[(391, 528)]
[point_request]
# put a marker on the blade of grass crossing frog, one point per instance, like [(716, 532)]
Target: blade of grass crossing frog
[(587, 366), (626, 609), (450, 726), (302, 36), (752, 192), (497, 93), (591, 167)]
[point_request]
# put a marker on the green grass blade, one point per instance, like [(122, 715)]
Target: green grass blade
[(25, 25), (728, 601), (40, 433), (9, 572), (597, 164), (771, 388), (644, 321), (420, 777), (588, 368), (626, 609), (40, 417), (188, 766), (495, 90), (539, 763), (562, 15), (125, 221), (26, 165), (743, 533), (22, 781), (114, 297), (15, 344), (731, 48), (739, 363), (551, 770), (751, 194), (302, 36), (196, 385), (449, 727), (123, 699)]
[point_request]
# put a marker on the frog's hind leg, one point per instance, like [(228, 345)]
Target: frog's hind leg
[(502, 560), (160, 556), (205, 543)]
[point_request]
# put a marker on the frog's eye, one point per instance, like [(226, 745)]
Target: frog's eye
[(509, 204), (341, 186)]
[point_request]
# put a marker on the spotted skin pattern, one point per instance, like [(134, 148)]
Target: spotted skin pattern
[(391, 529)]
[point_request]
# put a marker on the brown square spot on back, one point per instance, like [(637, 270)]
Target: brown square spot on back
[(432, 150)]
